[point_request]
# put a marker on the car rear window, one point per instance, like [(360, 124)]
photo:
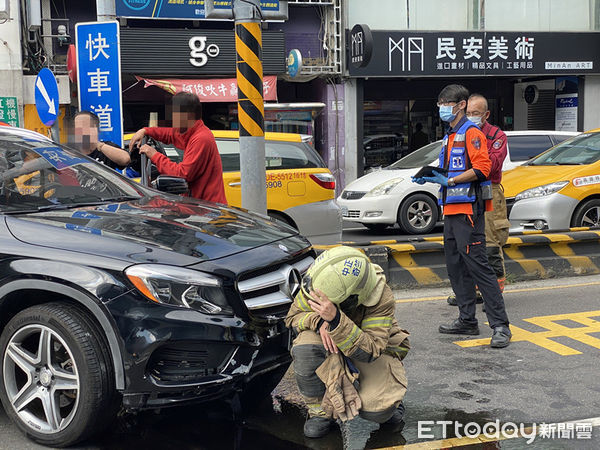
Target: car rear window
[(278, 155), (523, 148)]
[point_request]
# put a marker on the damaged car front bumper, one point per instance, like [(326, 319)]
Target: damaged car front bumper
[(174, 356)]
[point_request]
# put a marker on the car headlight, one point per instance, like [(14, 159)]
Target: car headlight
[(541, 191), (384, 188), (179, 287)]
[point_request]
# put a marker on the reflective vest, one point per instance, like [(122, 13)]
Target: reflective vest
[(458, 163)]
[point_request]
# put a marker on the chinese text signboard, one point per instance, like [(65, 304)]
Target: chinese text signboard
[(9, 111), (400, 53), (215, 90), (99, 76), (176, 9)]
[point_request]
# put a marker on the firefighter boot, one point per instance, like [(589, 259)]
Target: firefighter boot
[(316, 426)]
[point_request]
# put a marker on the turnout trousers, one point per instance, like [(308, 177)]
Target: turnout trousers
[(496, 232), (467, 265), (382, 381)]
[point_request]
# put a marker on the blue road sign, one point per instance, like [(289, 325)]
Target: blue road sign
[(46, 96), (99, 76)]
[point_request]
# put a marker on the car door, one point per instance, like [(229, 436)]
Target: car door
[(523, 147), (229, 150)]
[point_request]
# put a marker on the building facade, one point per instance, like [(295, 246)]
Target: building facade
[(536, 62)]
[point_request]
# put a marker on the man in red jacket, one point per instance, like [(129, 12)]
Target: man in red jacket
[(201, 165)]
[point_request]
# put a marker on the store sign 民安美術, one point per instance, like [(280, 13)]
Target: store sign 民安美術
[(402, 53)]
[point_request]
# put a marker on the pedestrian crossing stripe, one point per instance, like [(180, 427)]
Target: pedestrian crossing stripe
[(589, 321)]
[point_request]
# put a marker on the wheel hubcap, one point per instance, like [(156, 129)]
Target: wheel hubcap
[(591, 218), (420, 215), (41, 379)]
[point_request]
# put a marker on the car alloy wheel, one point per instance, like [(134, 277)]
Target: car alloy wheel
[(591, 217), (41, 379), (420, 214)]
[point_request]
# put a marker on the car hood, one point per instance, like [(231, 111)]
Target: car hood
[(373, 179), (522, 178), (157, 229)]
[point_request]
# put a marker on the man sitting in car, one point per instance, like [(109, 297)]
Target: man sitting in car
[(201, 166), (349, 349), (83, 136)]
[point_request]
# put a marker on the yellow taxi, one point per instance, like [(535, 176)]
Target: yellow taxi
[(300, 187), (558, 189)]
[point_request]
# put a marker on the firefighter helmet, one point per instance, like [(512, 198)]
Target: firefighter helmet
[(340, 273)]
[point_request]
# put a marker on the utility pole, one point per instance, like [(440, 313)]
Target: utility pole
[(251, 114), (105, 10)]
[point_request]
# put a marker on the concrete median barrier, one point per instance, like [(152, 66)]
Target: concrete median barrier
[(420, 262)]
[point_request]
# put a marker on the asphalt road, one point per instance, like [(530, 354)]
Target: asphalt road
[(355, 232), (549, 374)]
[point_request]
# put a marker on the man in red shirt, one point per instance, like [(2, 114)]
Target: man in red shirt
[(201, 165), (496, 222)]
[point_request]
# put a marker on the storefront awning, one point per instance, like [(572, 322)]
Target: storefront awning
[(215, 90)]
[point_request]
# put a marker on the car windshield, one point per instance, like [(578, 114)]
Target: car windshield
[(579, 150), (38, 174), (419, 158)]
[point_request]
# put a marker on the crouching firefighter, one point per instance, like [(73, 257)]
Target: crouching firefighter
[(349, 348)]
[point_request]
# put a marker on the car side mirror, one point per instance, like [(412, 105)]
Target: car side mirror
[(171, 185)]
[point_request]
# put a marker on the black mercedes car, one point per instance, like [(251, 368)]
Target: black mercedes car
[(114, 296)]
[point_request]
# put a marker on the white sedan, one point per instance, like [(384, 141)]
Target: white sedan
[(388, 196)]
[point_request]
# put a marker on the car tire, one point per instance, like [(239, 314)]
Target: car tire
[(418, 214), (375, 227), (37, 377), (587, 214)]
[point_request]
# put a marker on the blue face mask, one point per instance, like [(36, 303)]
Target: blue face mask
[(446, 113)]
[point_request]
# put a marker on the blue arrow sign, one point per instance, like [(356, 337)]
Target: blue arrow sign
[(46, 96)]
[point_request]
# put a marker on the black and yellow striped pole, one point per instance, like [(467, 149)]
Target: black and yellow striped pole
[(251, 114)]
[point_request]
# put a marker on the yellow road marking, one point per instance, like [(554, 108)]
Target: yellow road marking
[(552, 330), (508, 291)]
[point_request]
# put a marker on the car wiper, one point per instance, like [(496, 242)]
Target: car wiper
[(569, 164), (69, 205), (123, 198)]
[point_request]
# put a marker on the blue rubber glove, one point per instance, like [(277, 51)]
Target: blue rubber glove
[(438, 178), (418, 180)]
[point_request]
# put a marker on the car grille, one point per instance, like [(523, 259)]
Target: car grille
[(352, 213), (188, 363), (353, 195), (272, 287), (510, 202)]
